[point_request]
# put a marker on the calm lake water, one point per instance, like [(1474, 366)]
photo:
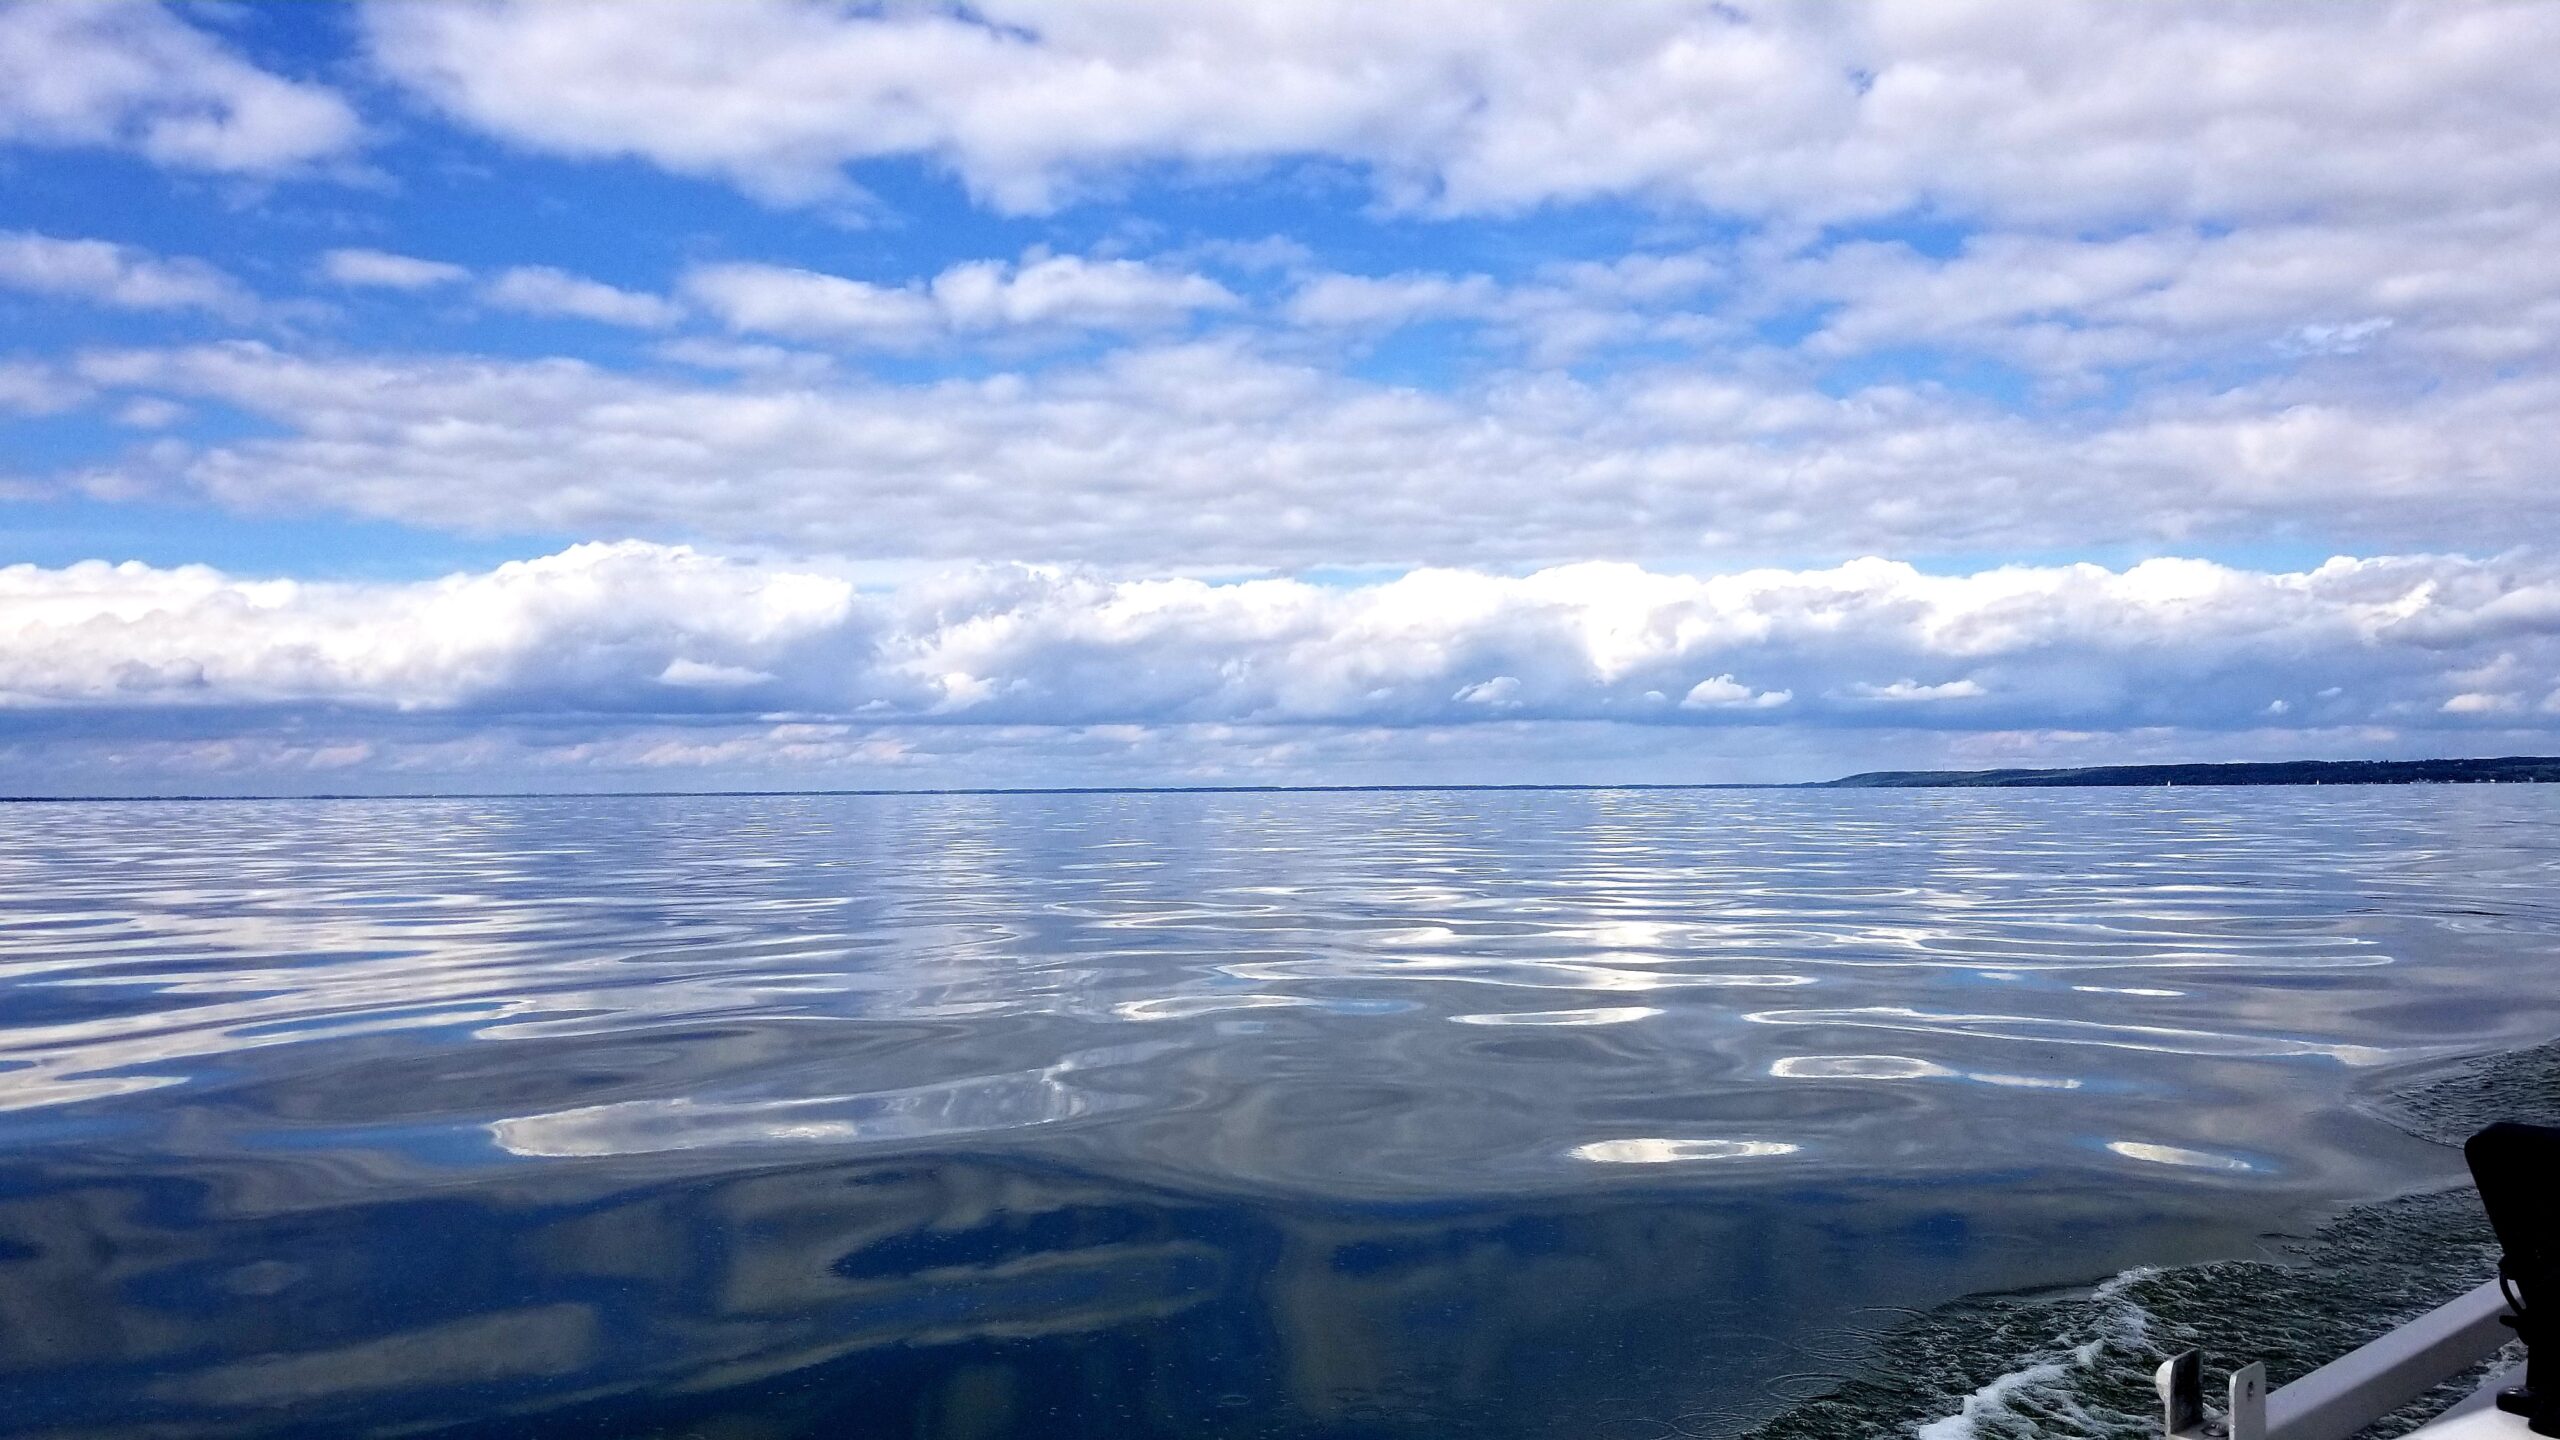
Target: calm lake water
[(1427, 1114)]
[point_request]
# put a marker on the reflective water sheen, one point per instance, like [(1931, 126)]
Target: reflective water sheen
[(1384, 1114)]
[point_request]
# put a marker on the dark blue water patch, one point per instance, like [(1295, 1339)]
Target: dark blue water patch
[(1002, 1236), (799, 1300)]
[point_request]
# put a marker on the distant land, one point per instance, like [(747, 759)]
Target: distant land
[(2509, 770)]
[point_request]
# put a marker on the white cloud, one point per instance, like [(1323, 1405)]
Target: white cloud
[(380, 269), (133, 76), (2345, 338), (1906, 692), (1564, 311), (1059, 291), (698, 674), (745, 358), (1386, 301), (1212, 454), (1723, 692), (778, 300), (2010, 109), (2460, 287), (150, 412), (121, 276), (1074, 291), (30, 388), (591, 626), (640, 631), (542, 290)]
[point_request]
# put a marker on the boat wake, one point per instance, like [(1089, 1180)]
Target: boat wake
[(2051, 1393), (2449, 1108), (2041, 1367), (2079, 1365)]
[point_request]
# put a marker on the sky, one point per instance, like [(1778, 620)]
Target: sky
[(559, 396)]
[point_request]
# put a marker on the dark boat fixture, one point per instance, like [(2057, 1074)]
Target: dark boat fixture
[(2517, 1168)]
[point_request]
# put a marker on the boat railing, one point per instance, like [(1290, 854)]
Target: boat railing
[(2349, 1393)]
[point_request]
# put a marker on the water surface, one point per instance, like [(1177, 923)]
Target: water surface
[(1376, 1114)]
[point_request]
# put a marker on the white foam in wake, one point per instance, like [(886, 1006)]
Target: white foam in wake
[(2037, 1398)]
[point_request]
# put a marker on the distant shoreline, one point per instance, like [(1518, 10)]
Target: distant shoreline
[(2504, 770)]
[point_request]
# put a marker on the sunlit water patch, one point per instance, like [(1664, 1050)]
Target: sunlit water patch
[(1379, 1115)]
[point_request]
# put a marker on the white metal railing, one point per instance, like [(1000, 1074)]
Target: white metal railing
[(2350, 1392)]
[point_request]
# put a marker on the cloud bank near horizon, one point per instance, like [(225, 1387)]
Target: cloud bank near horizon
[(648, 632)]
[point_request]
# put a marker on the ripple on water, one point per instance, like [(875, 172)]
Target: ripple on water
[(1655, 1150), (2179, 1155)]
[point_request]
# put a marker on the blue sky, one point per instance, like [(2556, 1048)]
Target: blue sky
[(431, 396)]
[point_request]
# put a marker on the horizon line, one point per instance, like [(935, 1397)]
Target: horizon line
[(923, 790), (1842, 782)]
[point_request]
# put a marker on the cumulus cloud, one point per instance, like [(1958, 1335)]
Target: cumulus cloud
[(640, 631), (2138, 186), (1212, 453), (1723, 692), (780, 300), (1071, 290), (2013, 109), (133, 76), (30, 388), (382, 270), (745, 358), (150, 412), (543, 290), (1554, 317), (1386, 301), (1906, 692), (1064, 292), (2462, 287), (1502, 692), (594, 626), (2172, 186), (122, 276)]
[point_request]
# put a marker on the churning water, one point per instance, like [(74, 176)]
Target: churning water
[(1423, 1114)]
